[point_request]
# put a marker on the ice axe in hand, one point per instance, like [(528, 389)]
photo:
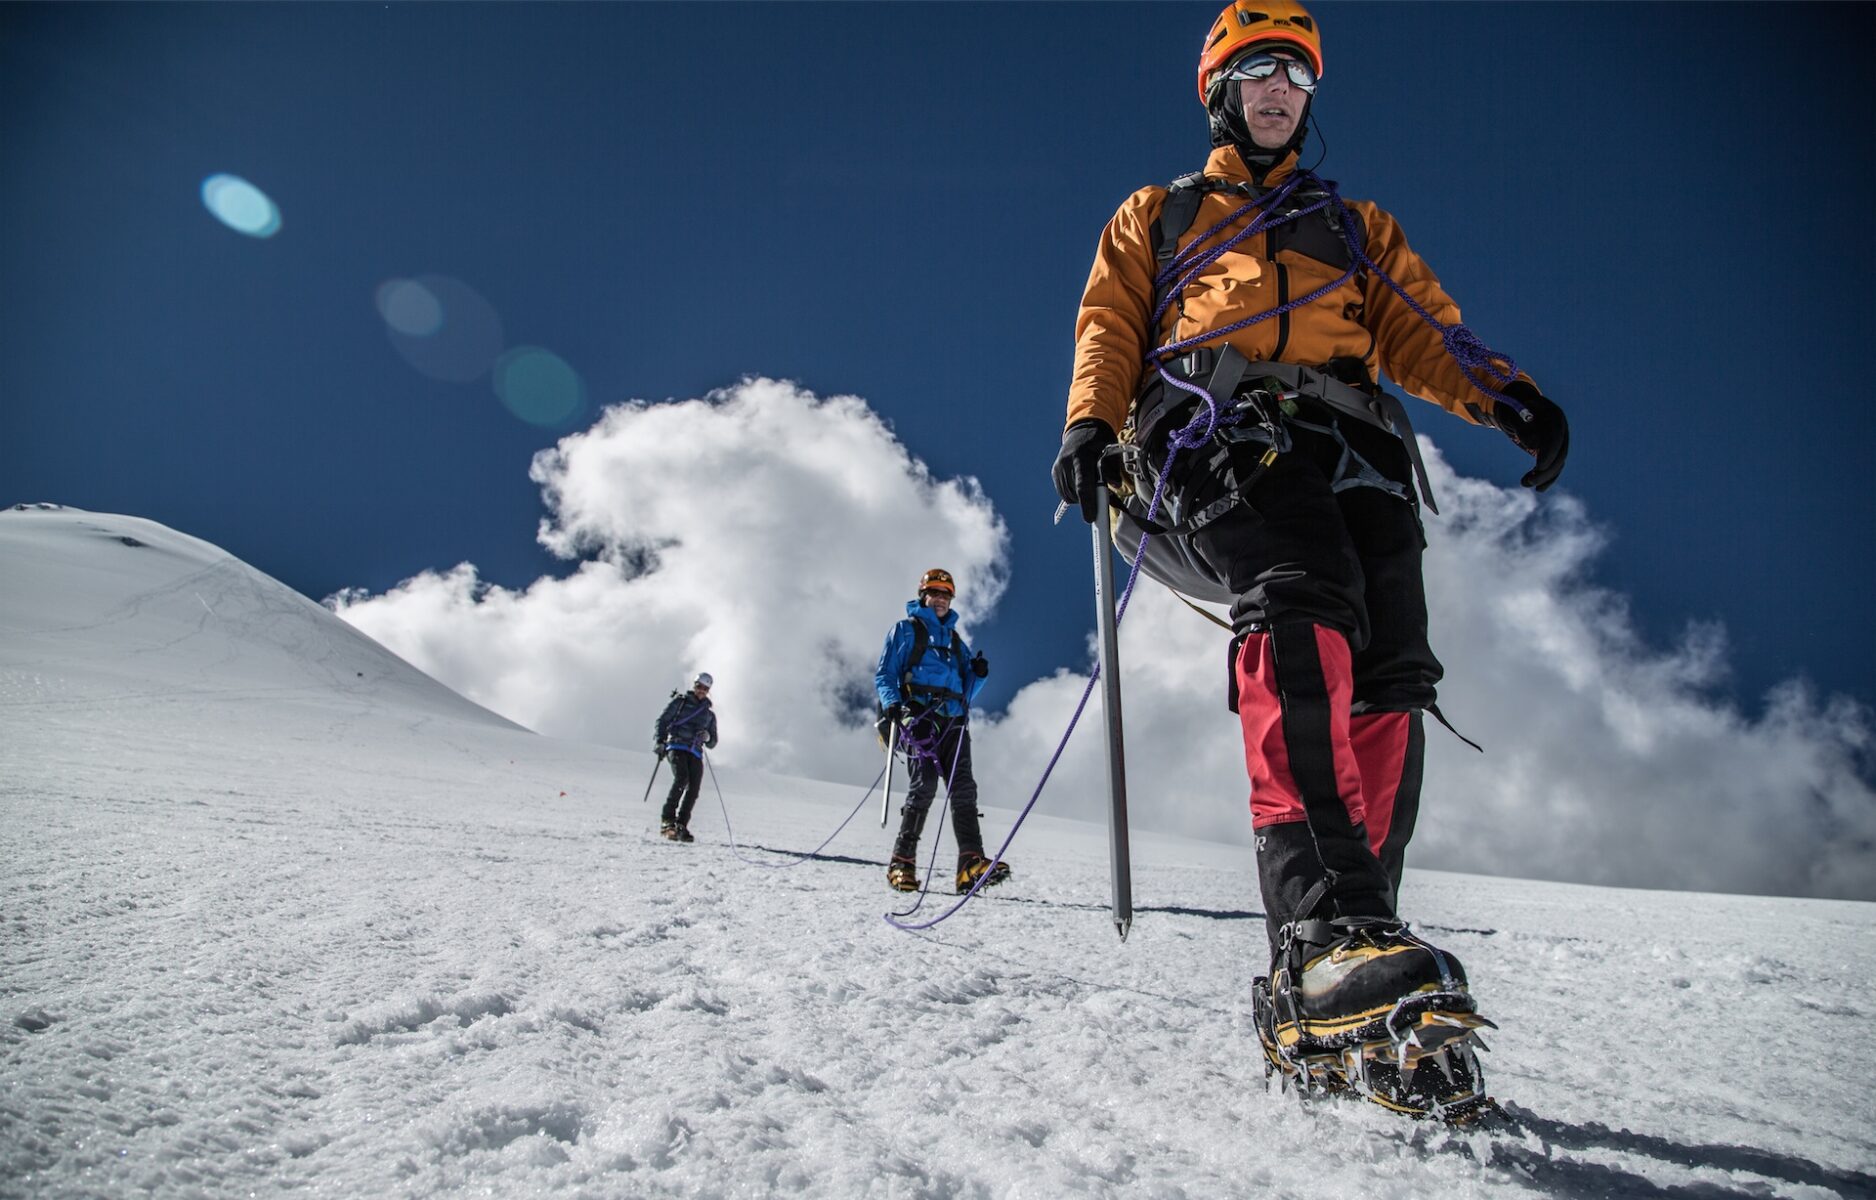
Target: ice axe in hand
[(654, 776), (892, 743)]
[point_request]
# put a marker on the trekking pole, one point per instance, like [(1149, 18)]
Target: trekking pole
[(656, 763), (885, 797), (1119, 856)]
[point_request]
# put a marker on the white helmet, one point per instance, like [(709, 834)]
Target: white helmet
[(703, 679)]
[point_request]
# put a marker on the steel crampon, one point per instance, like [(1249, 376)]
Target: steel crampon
[(1421, 1061)]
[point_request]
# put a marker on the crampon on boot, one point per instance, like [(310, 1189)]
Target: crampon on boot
[(902, 875), (1363, 1006), (970, 867)]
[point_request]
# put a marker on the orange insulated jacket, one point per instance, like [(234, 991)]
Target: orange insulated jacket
[(1363, 318)]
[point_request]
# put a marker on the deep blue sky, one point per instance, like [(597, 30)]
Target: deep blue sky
[(1656, 209)]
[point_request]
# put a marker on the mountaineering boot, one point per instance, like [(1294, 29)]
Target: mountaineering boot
[(1363, 1005), (902, 871), (683, 834), (973, 866), (668, 831), (902, 875), (1263, 1015), (1358, 979)]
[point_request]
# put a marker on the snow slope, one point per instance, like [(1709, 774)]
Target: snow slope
[(279, 913)]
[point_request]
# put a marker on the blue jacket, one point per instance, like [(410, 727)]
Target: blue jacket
[(942, 680), (687, 724)]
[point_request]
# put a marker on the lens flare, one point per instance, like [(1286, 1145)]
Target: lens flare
[(441, 326), (409, 307), (538, 386), (240, 206)]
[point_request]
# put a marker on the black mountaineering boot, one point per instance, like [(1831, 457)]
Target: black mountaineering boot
[(902, 875), (971, 867), (972, 862), (1355, 979), (1363, 1005), (902, 871)]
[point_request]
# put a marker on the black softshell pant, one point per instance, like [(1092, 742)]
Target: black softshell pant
[(1309, 552), (953, 764), (1300, 549), (686, 780)]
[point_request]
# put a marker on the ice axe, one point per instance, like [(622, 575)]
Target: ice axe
[(659, 762), (1119, 856), (885, 797)]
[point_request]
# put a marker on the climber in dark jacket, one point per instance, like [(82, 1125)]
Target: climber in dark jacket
[(686, 728)]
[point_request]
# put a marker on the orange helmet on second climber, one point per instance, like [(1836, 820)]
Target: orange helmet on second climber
[(1246, 22), (937, 580)]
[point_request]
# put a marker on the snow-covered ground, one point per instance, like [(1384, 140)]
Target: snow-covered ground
[(279, 913)]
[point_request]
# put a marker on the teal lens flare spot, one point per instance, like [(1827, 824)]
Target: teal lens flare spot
[(410, 308), (538, 386), (441, 326), (240, 206)]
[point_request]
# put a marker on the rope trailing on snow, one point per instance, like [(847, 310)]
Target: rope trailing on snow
[(794, 859)]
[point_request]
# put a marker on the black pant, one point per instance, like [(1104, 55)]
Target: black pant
[(1311, 545), (686, 781), (953, 763), (1298, 549)]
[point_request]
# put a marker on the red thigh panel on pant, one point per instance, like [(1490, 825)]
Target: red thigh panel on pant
[(1276, 795), (1380, 744)]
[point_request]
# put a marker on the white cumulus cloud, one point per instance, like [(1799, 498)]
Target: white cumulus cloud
[(761, 533), (770, 537), (1607, 761)]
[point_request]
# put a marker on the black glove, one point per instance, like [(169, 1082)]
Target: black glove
[(1546, 436), (660, 751), (1078, 466), (896, 713), (980, 666)]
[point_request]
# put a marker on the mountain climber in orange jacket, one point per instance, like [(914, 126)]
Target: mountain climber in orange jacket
[(1228, 351)]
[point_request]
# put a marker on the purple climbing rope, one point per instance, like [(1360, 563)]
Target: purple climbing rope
[(795, 859), (1461, 344)]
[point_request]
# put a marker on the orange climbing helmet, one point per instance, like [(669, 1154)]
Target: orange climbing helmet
[(937, 580), (1246, 22)]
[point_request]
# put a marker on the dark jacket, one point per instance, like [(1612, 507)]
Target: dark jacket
[(687, 724)]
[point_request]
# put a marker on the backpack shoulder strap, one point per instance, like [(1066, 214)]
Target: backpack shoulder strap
[(921, 642), (1177, 214)]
